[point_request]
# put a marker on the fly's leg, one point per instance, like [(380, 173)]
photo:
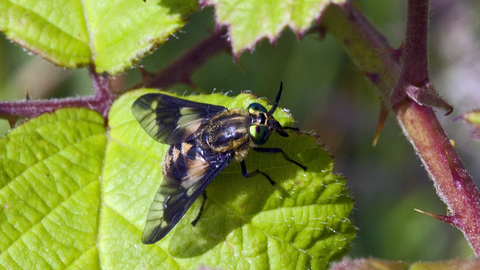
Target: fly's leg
[(278, 150), (201, 208), (247, 174)]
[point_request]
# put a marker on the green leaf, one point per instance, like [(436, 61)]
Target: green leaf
[(111, 35), (77, 196), (50, 191), (251, 20)]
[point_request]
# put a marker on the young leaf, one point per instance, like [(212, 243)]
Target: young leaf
[(109, 34), (251, 20), (73, 193)]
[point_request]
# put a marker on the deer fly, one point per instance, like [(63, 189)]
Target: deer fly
[(204, 138)]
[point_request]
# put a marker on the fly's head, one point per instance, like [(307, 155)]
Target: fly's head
[(262, 123)]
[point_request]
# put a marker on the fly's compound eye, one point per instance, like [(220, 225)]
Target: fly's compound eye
[(255, 108), (259, 134)]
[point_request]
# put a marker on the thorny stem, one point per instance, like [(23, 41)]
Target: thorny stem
[(452, 181), (373, 55), (100, 101)]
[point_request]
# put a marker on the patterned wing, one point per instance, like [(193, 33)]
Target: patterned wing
[(171, 120), (187, 172)]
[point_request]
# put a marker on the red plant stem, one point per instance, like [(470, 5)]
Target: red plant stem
[(419, 123), (451, 180), (32, 108), (415, 57), (100, 101), (373, 55), (104, 97)]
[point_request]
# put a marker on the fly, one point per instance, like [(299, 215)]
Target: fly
[(203, 139)]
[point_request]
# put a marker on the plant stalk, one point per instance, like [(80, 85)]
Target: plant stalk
[(381, 64), (100, 102)]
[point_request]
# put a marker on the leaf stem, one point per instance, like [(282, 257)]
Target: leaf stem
[(100, 101), (451, 180)]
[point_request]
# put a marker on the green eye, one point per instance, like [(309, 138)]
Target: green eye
[(256, 107), (259, 134)]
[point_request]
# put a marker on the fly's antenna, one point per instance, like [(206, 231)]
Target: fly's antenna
[(277, 99)]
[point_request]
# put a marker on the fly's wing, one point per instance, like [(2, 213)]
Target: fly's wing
[(188, 171), (171, 120)]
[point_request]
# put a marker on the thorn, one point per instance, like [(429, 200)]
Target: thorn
[(452, 142), (144, 72), (396, 53), (11, 122), (446, 219), (373, 77), (427, 96), (27, 93), (449, 213), (384, 110)]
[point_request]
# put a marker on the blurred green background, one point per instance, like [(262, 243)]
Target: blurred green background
[(328, 95)]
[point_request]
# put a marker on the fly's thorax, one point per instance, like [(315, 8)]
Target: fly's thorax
[(226, 131)]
